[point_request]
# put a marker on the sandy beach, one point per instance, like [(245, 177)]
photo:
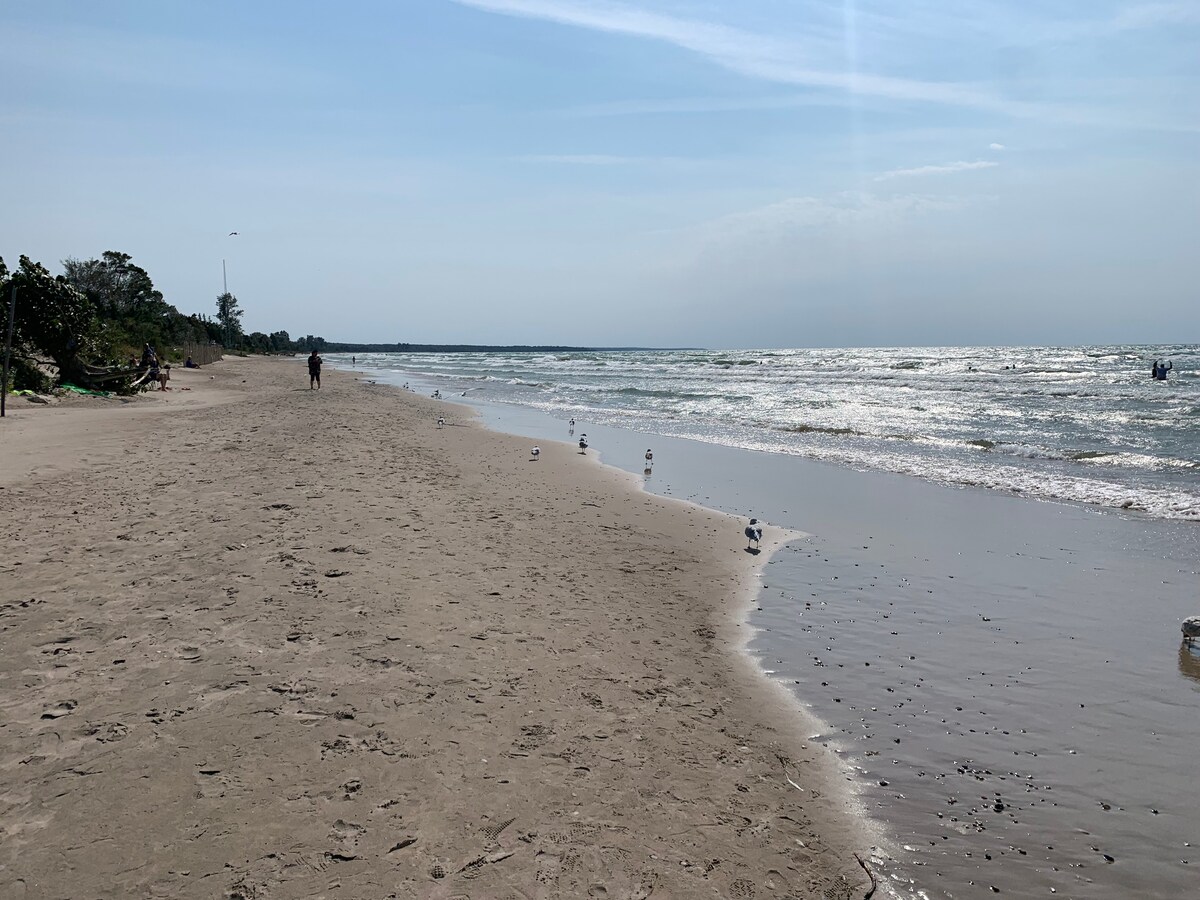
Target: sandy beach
[(261, 641)]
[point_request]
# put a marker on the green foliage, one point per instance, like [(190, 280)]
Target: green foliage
[(53, 318), (120, 291), (24, 375), (130, 309), (96, 315), (229, 316)]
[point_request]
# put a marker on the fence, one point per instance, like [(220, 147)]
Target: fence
[(201, 354)]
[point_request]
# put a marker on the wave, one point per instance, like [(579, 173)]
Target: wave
[(818, 429), (727, 363), (671, 394), (1088, 413)]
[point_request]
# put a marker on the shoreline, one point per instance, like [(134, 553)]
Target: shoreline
[(738, 630), (312, 573)]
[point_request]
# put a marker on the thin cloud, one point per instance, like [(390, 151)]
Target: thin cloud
[(815, 60), (997, 147), (947, 169), (744, 52)]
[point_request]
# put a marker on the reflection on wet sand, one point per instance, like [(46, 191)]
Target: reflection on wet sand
[(1189, 662)]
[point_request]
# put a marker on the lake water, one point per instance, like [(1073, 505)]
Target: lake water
[(1084, 424)]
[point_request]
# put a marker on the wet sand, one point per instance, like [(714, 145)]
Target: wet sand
[(308, 643), (1005, 676)]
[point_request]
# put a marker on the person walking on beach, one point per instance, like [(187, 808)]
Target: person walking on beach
[(314, 371)]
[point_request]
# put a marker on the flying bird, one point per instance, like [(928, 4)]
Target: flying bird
[(232, 233), (754, 533)]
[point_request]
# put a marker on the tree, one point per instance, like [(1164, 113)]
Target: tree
[(53, 318), (257, 342), (131, 310), (117, 288), (230, 318)]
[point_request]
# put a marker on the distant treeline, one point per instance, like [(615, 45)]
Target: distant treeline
[(85, 326), (319, 343)]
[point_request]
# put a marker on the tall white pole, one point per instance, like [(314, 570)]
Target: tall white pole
[(225, 284)]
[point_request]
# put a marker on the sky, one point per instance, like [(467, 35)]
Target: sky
[(759, 173)]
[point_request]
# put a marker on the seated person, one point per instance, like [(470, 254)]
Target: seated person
[(188, 364)]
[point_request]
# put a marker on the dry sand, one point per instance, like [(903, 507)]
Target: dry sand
[(261, 641)]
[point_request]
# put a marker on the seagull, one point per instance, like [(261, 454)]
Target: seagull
[(1190, 629), (441, 421), (649, 458), (232, 233), (583, 443), (754, 533), (535, 453)]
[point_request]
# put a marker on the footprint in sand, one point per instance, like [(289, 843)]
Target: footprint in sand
[(346, 836), (212, 783), (58, 710), (108, 732)]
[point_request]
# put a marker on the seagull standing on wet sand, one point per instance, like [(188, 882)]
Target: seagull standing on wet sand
[(583, 443), (535, 453), (754, 533)]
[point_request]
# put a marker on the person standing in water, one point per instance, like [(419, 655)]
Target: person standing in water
[(314, 371)]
